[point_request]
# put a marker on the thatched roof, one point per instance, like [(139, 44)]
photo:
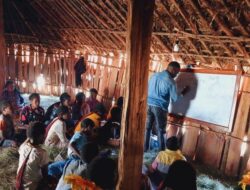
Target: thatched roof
[(214, 33)]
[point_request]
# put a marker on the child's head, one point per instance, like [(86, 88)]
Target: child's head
[(102, 172), (34, 100), (36, 133), (116, 114), (9, 86), (87, 125), (181, 175), (119, 102), (65, 99), (80, 97), (6, 108), (93, 93), (63, 113), (100, 109), (172, 143), (89, 152)]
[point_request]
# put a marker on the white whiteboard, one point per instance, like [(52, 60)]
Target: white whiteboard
[(210, 99)]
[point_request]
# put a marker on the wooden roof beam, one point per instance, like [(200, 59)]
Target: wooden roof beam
[(187, 19), (221, 25), (206, 23), (232, 14), (178, 26), (117, 11)]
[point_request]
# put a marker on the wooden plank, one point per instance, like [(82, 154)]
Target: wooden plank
[(112, 82), (140, 20), (19, 63), (189, 141), (2, 48), (240, 126), (210, 147), (233, 159), (11, 66), (242, 115)]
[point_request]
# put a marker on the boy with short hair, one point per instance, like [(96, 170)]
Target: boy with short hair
[(51, 113), (163, 161), (7, 130), (96, 116), (92, 100), (80, 138), (78, 166), (32, 112), (32, 157), (76, 144)]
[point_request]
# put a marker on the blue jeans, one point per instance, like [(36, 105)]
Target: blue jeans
[(55, 169), (157, 116)]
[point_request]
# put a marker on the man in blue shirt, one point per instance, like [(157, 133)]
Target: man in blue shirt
[(161, 89)]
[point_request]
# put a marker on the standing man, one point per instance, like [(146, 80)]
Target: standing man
[(161, 89)]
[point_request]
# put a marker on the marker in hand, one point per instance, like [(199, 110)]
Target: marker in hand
[(185, 90)]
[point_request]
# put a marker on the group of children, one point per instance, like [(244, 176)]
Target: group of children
[(79, 128)]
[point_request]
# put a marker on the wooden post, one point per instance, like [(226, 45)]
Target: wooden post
[(140, 19), (2, 48)]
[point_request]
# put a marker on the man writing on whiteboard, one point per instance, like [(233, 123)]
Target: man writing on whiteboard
[(161, 89)]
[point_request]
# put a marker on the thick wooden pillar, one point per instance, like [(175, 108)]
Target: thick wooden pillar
[(140, 19), (2, 48)]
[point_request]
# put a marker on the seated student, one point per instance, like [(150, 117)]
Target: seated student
[(11, 94), (80, 138), (31, 113), (92, 100), (51, 112), (181, 175), (7, 131), (56, 130), (163, 161), (102, 171), (119, 105), (32, 158), (78, 166), (111, 129), (165, 158), (75, 146), (96, 116), (80, 107)]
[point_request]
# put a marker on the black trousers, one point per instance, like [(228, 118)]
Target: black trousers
[(157, 116)]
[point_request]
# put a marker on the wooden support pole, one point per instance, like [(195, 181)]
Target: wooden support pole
[(2, 48), (140, 20)]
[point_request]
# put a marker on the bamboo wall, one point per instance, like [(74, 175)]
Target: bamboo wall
[(106, 73)]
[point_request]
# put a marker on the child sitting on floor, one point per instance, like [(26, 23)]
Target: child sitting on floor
[(80, 107), (32, 158), (51, 113), (56, 131), (7, 130), (119, 105), (76, 144), (164, 159), (11, 94), (181, 175), (31, 113), (110, 132), (102, 171), (81, 138), (96, 116), (78, 166), (92, 100)]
